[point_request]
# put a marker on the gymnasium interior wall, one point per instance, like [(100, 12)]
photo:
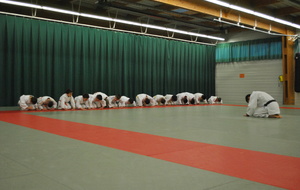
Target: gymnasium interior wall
[(258, 75), (235, 80)]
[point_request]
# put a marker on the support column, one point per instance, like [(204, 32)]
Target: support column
[(288, 69)]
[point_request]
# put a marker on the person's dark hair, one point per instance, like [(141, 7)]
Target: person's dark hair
[(147, 101), (33, 100), (185, 100), (163, 101), (99, 97), (68, 91), (174, 98), (203, 98), (130, 100), (50, 104), (85, 95), (219, 99), (118, 96), (247, 97), (192, 101)]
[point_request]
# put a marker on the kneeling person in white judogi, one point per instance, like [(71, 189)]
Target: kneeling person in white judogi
[(28, 102), (215, 100), (200, 98), (160, 99), (190, 98), (97, 100), (171, 99), (145, 100), (46, 103), (125, 101), (113, 101), (66, 101), (82, 102), (182, 98), (261, 104)]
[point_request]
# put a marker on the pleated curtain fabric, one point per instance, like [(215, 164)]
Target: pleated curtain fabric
[(251, 50), (46, 58)]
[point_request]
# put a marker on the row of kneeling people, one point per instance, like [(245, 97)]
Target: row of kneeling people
[(101, 100)]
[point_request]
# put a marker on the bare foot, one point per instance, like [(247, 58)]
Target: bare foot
[(275, 116)]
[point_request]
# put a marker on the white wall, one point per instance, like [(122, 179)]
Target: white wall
[(232, 71), (259, 76)]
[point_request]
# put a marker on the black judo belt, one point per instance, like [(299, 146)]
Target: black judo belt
[(266, 104)]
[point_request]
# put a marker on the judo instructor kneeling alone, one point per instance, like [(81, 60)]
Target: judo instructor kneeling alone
[(261, 104)]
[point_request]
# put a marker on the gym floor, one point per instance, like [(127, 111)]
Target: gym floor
[(205, 147)]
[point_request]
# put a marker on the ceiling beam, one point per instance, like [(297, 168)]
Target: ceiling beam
[(227, 14)]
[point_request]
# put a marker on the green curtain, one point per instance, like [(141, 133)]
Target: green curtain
[(249, 50), (45, 58)]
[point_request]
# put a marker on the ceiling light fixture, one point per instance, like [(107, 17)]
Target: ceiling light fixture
[(248, 11), (110, 19), (254, 29)]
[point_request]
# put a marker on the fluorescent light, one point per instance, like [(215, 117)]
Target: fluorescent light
[(254, 28), (60, 10), (95, 17), (238, 8), (108, 19), (21, 4)]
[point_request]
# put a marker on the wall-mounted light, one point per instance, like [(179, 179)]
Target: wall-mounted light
[(110, 19), (258, 14)]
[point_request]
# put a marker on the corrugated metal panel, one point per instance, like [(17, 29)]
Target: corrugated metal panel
[(259, 76)]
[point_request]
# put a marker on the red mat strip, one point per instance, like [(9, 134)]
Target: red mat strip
[(272, 169)]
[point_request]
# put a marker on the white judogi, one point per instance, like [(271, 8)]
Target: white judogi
[(66, 102), (97, 104), (80, 103), (168, 98), (179, 97), (111, 102), (41, 105), (123, 101), (256, 105), (212, 100), (25, 102), (188, 95), (197, 96), (141, 97), (157, 98)]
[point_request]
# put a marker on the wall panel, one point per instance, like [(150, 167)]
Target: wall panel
[(259, 76)]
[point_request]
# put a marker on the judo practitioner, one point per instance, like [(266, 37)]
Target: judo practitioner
[(28, 102), (170, 99), (145, 100), (98, 100), (262, 104), (185, 98), (159, 99), (182, 98), (113, 101), (82, 102), (46, 103), (200, 98), (66, 101), (125, 101), (215, 100)]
